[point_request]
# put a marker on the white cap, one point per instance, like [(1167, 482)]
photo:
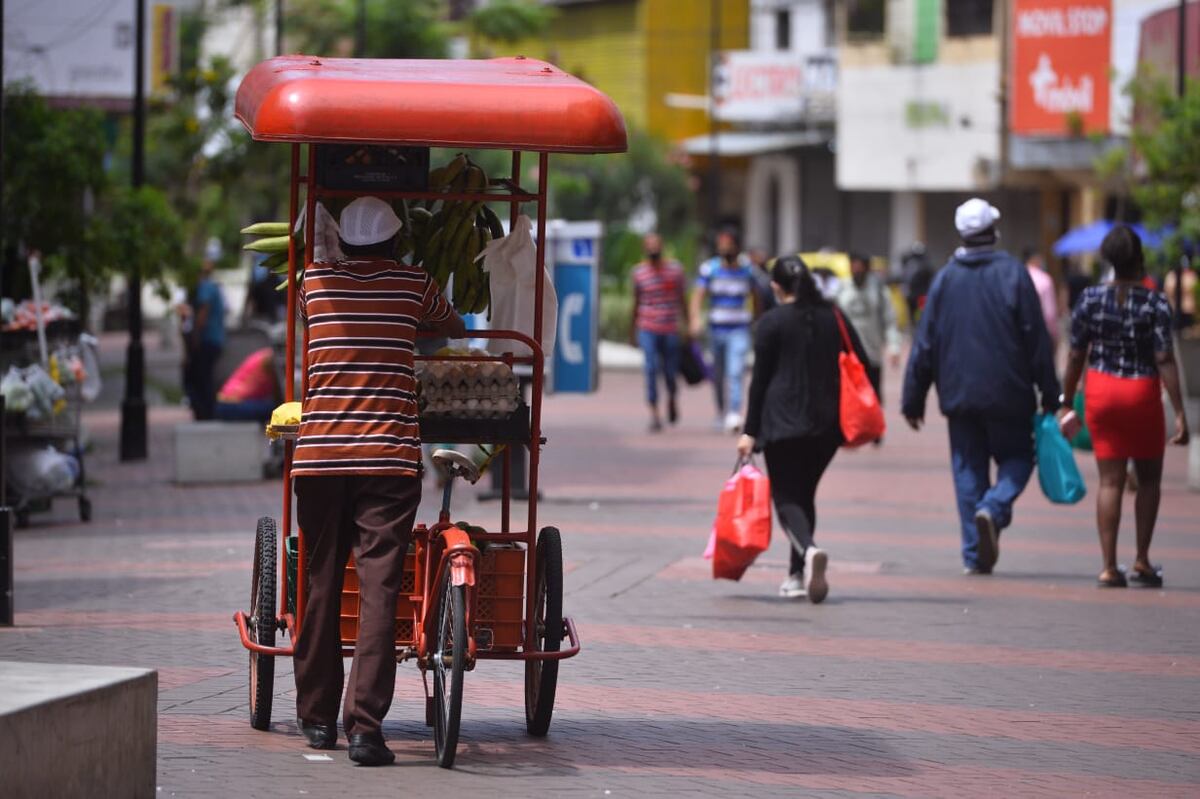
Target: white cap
[(975, 216), (368, 220)]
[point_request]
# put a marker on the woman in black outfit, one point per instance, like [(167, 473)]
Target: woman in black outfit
[(792, 415)]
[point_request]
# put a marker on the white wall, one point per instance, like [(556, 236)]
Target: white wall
[(784, 169), (807, 28), (878, 147)]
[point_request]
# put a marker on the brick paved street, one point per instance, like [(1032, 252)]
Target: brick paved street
[(911, 680)]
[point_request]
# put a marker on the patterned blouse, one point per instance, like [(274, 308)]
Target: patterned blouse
[(1124, 337)]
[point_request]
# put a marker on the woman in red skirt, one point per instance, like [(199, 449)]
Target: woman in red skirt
[(1122, 331)]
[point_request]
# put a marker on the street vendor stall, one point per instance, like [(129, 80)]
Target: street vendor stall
[(365, 127)]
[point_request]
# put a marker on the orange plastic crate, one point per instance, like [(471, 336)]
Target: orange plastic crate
[(348, 622), (500, 600)]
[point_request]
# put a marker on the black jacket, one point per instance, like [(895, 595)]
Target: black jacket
[(795, 384), (983, 341)]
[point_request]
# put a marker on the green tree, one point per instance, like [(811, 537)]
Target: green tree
[(644, 185), (394, 28), (1161, 166), (53, 178), (142, 234), (510, 21)]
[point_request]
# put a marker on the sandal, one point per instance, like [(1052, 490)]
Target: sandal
[(1111, 579), (1147, 579)]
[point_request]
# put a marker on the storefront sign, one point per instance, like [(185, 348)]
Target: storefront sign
[(1061, 55), (753, 86)]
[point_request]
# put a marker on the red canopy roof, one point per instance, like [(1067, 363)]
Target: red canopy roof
[(509, 103)]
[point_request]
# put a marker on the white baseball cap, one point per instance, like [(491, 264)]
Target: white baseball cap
[(975, 216), (368, 220)]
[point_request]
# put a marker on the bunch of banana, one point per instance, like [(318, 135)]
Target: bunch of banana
[(447, 241), (273, 241)]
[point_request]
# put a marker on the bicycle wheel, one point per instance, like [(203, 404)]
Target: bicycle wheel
[(541, 676), (449, 659), (262, 624)]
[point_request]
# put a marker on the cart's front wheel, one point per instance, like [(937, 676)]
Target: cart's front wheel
[(449, 660), (262, 624), (541, 676)]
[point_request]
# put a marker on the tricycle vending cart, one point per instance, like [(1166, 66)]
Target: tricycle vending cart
[(467, 594)]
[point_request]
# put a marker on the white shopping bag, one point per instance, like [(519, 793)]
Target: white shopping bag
[(511, 264)]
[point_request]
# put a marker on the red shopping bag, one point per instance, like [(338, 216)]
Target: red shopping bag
[(861, 415), (743, 526)]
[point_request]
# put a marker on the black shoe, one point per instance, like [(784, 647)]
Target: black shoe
[(319, 736), (368, 749), (672, 411), (989, 543)]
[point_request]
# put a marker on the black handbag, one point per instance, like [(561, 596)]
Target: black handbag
[(692, 365)]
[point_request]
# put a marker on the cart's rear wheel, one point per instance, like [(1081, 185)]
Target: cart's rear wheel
[(262, 624), (449, 660), (541, 676)]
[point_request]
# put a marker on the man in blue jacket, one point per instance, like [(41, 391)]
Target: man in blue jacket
[(982, 341)]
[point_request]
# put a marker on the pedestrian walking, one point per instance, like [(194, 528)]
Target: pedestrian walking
[(659, 303), (726, 281), (1190, 291), (867, 304), (1047, 294), (983, 341), (916, 274), (357, 469), (762, 278), (792, 415), (207, 341), (1122, 333)]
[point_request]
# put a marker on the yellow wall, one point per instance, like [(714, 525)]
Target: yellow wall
[(678, 41), (638, 51), (601, 43)]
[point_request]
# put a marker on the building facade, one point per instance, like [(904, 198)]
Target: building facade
[(1012, 100)]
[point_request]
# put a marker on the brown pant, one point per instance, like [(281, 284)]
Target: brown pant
[(373, 518)]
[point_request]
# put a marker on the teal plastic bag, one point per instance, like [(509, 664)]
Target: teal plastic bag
[(1082, 439), (1057, 472)]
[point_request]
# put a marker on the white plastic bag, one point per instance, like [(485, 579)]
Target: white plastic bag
[(40, 472), (89, 355), (326, 246), (511, 264)]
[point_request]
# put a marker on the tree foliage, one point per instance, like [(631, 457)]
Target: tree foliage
[(510, 21), (631, 193), (1162, 162), (394, 28), (53, 175)]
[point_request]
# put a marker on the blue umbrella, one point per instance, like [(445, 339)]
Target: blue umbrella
[(1087, 238)]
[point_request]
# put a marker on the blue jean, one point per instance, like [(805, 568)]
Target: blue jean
[(975, 441), (662, 355), (254, 410), (729, 349)]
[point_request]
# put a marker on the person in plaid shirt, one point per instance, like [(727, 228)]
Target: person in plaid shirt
[(1122, 332)]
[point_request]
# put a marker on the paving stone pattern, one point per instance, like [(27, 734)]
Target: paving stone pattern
[(912, 680)]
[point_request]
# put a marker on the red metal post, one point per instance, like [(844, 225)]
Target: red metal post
[(289, 371), (535, 418), (310, 215)]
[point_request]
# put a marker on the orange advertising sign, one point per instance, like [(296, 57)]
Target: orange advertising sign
[(1060, 67)]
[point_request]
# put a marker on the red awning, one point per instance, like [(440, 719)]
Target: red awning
[(505, 103)]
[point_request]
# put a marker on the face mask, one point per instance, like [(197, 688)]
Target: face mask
[(654, 255), (730, 257)]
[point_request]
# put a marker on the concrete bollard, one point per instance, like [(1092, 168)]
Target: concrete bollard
[(77, 731)]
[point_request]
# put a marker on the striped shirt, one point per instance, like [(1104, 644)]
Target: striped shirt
[(730, 290), (658, 291), (360, 407)]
